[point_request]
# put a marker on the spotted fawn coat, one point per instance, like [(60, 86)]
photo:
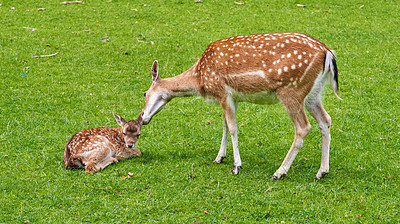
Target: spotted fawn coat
[(96, 148)]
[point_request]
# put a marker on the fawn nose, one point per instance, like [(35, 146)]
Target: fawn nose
[(130, 145)]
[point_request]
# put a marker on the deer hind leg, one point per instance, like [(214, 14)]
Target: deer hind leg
[(229, 107), (314, 106), (100, 162), (106, 154), (98, 153), (222, 150), (295, 110)]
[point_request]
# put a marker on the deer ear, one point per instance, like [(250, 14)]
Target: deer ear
[(154, 71), (140, 119), (121, 122)]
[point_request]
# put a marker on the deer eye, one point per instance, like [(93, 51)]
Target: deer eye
[(144, 94), (124, 134)]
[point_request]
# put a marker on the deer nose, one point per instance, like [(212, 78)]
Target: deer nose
[(130, 145)]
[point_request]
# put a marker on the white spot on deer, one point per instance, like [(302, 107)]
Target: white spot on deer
[(288, 55), (300, 64), (285, 69), (279, 71), (293, 67), (299, 57), (295, 52)]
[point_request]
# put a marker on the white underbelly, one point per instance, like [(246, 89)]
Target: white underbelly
[(266, 97)]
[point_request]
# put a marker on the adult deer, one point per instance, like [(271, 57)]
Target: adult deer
[(292, 68), (96, 148)]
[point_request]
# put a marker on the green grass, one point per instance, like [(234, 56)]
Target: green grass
[(43, 101)]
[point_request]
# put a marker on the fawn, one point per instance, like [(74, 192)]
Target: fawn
[(96, 148), (267, 68)]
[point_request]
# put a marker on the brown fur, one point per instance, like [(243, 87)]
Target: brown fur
[(96, 148), (262, 68)]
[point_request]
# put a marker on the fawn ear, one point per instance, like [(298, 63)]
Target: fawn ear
[(140, 119), (121, 122), (154, 71)]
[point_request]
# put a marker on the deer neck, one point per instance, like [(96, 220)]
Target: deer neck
[(183, 85)]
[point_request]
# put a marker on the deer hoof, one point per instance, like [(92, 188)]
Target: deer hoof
[(220, 159), (236, 169), (321, 175), (276, 177), (91, 168)]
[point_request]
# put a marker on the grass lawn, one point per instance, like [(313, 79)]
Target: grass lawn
[(105, 52)]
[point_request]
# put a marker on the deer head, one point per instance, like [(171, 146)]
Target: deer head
[(130, 129), (156, 97)]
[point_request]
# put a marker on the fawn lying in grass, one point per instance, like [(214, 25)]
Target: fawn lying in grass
[(96, 148)]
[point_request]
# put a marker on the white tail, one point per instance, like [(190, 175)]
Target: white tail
[(264, 68), (96, 148)]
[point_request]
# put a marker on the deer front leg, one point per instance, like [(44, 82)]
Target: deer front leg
[(229, 107), (222, 150)]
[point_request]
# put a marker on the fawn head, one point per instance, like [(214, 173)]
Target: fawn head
[(130, 129)]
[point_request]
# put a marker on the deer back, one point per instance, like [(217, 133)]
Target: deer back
[(261, 62)]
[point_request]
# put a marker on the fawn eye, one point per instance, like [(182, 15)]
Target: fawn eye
[(124, 134), (144, 94)]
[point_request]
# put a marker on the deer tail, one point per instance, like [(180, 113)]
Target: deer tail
[(331, 67), (67, 156)]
